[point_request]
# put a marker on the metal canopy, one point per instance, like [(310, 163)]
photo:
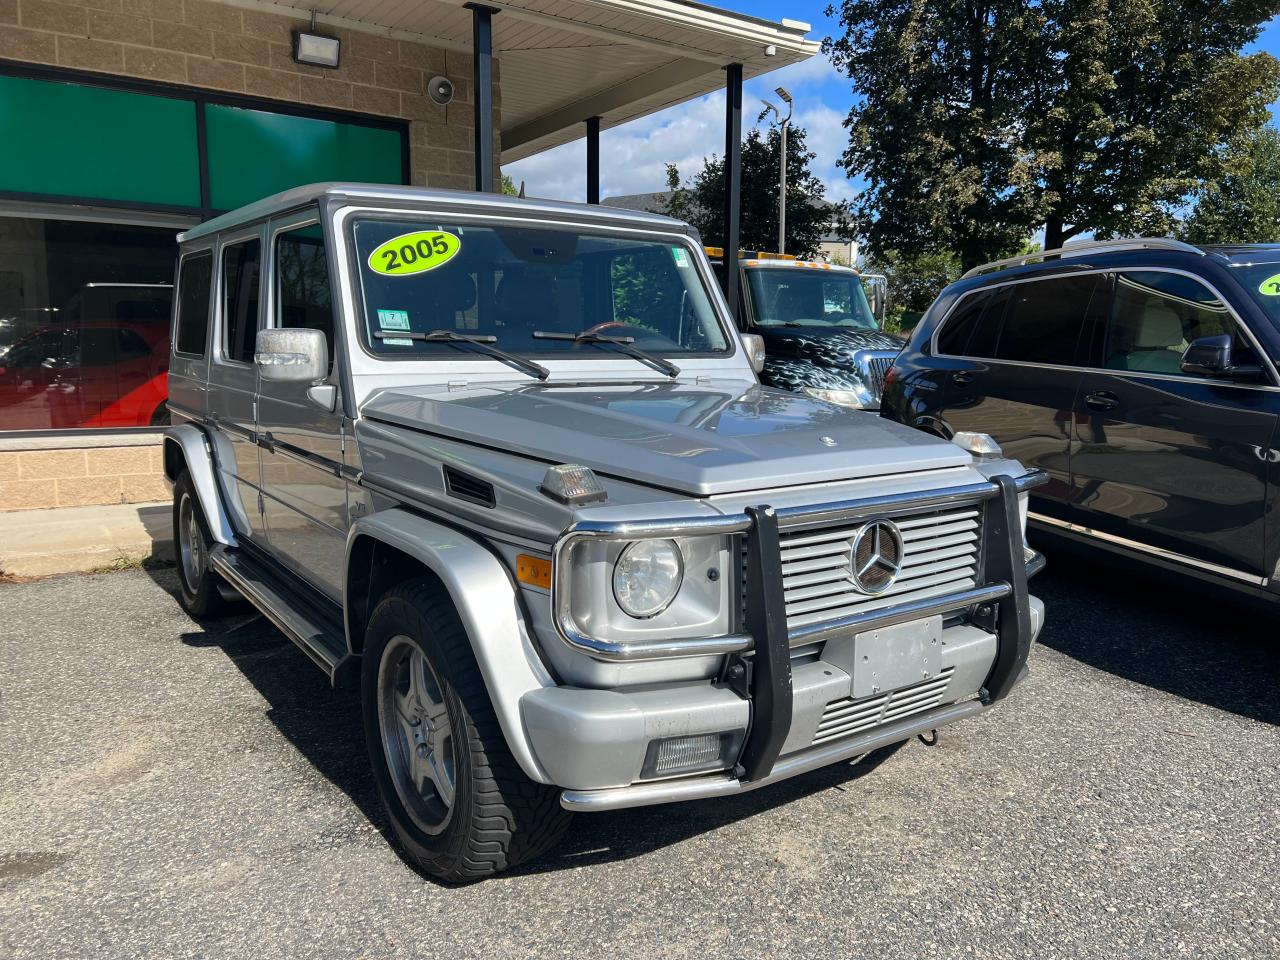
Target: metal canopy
[(562, 62)]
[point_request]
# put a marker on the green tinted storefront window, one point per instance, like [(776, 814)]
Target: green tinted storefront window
[(253, 153), (73, 140)]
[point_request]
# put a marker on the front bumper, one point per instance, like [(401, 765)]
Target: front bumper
[(789, 718)]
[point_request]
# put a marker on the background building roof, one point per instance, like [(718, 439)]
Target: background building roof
[(563, 61)]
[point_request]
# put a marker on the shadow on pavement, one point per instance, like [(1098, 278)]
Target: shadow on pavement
[(324, 725), (1172, 633)]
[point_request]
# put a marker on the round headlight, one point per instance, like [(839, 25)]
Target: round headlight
[(647, 577)]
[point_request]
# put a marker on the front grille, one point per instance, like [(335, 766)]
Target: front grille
[(940, 556), (847, 716), (877, 366)]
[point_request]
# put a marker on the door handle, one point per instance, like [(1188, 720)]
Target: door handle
[(1102, 400), (962, 377)]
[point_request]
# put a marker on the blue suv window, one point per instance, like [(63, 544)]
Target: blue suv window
[(1154, 317), (1036, 321)]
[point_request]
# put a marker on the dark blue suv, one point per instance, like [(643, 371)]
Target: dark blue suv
[(1141, 374)]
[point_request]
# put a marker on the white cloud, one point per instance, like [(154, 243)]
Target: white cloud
[(633, 157)]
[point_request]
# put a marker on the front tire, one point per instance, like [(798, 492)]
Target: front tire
[(460, 804), (198, 585)]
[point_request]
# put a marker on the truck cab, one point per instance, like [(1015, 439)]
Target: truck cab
[(506, 467), (822, 336)]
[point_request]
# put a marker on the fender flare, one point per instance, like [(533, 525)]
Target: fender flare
[(487, 601), (192, 445)]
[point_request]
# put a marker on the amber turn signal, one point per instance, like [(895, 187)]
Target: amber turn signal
[(534, 571)]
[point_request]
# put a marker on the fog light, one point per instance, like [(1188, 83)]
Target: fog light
[(693, 754)]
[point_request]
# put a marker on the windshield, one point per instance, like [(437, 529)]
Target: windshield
[(1262, 280), (419, 277), (799, 297)]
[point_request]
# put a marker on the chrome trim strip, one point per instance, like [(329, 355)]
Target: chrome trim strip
[(697, 788), (1253, 341), (899, 613), (1147, 548)]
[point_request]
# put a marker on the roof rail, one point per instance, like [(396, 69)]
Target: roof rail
[(1090, 246)]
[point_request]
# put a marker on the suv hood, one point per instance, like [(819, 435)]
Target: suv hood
[(702, 439), (825, 346)]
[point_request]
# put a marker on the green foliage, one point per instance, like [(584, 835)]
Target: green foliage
[(979, 122), (914, 280), (702, 202), (509, 186), (1243, 206)]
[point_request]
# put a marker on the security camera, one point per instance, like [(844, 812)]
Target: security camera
[(440, 90)]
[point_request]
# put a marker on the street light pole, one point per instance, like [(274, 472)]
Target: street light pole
[(783, 123)]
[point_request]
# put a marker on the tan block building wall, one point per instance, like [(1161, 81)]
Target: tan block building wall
[(69, 471), (214, 46)]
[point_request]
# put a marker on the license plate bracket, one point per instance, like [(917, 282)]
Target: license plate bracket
[(889, 658)]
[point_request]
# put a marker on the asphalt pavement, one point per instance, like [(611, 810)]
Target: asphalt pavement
[(173, 790)]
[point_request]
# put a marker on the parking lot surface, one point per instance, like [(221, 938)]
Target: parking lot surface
[(175, 790)]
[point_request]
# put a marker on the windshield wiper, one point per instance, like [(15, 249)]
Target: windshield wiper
[(483, 343), (622, 343)]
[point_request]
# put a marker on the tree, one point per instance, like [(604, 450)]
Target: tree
[(702, 202), (1243, 206), (914, 281), (980, 121), (509, 186)]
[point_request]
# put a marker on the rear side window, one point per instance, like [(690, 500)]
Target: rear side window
[(958, 330), (240, 272), (1043, 321), (194, 280), (1039, 321), (303, 296)]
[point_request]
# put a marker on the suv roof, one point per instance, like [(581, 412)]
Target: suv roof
[(423, 196)]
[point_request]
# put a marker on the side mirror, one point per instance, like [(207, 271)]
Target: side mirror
[(755, 350), (1211, 357), (291, 355)]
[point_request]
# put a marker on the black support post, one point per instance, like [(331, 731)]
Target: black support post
[(770, 667), (732, 181), (482, 75), (593, 159)]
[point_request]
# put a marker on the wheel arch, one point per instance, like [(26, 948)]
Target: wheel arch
[(396, 545), (187, 448)]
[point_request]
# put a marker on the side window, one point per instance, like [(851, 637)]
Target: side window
[(194, 280), (1044, 320), (958, 330), (241, 266), (303, 295), (1156, 315)]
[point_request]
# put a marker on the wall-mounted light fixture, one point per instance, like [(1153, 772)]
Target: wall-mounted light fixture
[(315, 49)]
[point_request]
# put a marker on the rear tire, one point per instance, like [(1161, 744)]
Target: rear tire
[(198, 585), (460, 804)]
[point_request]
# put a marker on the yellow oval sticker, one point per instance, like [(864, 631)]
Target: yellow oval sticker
[(1270, 287), (412, 253)]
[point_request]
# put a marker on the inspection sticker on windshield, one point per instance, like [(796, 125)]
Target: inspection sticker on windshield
[(413, 253), (681, 258), (1270, 287), (393, 319)]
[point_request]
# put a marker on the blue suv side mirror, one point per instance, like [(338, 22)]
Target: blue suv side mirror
[(1211, 357)]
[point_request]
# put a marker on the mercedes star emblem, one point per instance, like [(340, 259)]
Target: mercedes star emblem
[(875, 556)]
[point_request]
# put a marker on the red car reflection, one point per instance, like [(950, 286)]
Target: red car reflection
[(87, 372)]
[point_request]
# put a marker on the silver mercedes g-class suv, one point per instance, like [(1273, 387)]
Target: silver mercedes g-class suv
[(506, 465)]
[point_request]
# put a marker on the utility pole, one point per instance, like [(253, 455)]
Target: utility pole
[(783, 123)]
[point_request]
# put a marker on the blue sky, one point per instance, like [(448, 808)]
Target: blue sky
[(633, 156)]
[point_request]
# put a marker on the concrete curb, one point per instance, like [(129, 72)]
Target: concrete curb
[(42, 543)]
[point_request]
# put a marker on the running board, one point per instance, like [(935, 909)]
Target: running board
[(300, 617)]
